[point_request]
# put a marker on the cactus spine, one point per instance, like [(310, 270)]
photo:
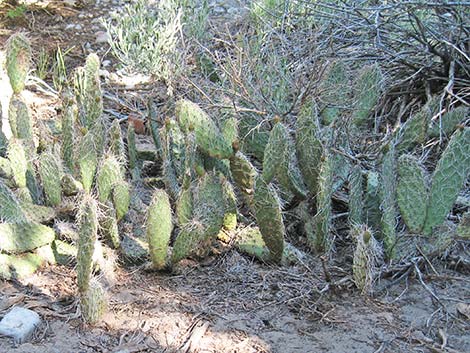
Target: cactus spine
[(159, 227), (412, 192), (449, 176), (18, 61), (50, 172), (88, 227)]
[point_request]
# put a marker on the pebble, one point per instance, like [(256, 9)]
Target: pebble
[(102, 37), (19, 323)]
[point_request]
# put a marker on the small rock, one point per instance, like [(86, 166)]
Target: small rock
[(106, 63), (78, 27), (19, 324), (69, 27), (102, 37)]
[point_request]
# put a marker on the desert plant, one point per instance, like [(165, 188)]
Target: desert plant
[(18, 60)]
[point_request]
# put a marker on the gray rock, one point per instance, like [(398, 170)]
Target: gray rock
[(19, 323)]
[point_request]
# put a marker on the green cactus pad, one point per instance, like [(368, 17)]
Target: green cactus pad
[(93, 302), (50, 172), (268, 215), (10, 209), (253, 135), (356, 196), (87, 161), (70, 186), (448, 122), (19, 118), (18, 60), (412, 192), (110, 226), (184, 206), (108, 175), (321, 222), (191, 237), (159, 226), (19, 267), (18, 162), (121, 198), (243, 173), (463, 229), (448, 178), (208, 136), (69, 117), (309, 147), (334, 90), (388, 205), (93, 102), (230, 217), (366, 91), (88, 228), (116, 143), (26, 236)]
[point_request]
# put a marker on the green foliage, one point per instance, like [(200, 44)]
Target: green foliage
[(448, 178), (448, 122), (18, 60), (19, 266), (243, 173), (50, 172), (17, 12), (184, 206), (88, 228), (69, 117), (253, 136), (145, 38), (116, 144), (208, 136), (268, 215), (110, 226), (159, 226), (21, 237), (230, 204), (70, 186), (190, 237), (412, 192)]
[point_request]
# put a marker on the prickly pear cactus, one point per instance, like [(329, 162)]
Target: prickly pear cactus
[(87, 160), (448, 122), (334, 90), (230, 129), (18, 238), (414, 130), (366, 91), (230, 204), (367, 257), (121, 198), (372, 213), (208, 136), (19, 163), (323, 241), (116, 144), (50, 172), (463, 229), (412, 192), (184, 206), (88, 228), (108, 175), (267, 207), (356, 196), (243, 173), (190, 237), (19, 118), (448, 178), (110, 226), (10, 209), (159, 226), (388, 206), (69, 117), (93, 302), (309, 147), (275, 152), (70, 186), (18, 60), (94, 100)]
